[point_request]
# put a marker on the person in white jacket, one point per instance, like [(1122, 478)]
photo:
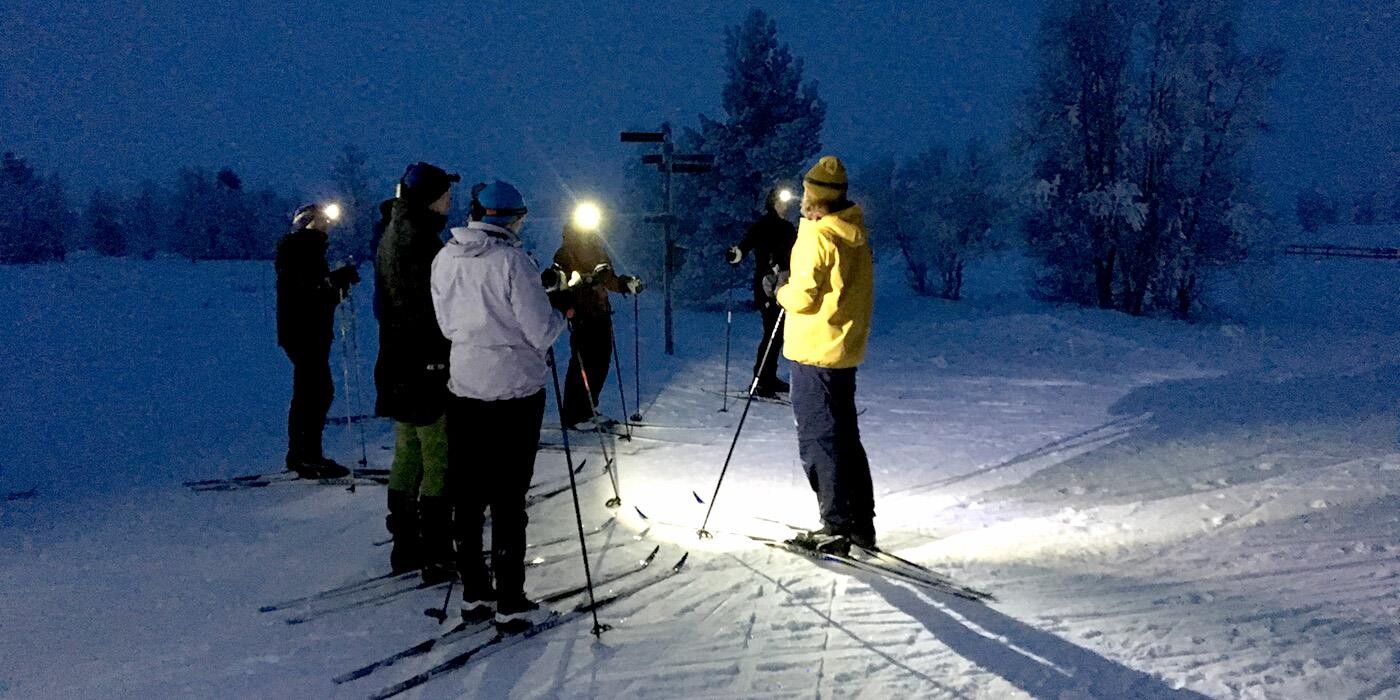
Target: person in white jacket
[(490, 304)]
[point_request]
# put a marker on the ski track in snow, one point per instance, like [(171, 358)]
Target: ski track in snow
[(1162, 510)]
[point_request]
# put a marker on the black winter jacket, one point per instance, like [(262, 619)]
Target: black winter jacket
[(582, 252), (306, 296), (411, 373), (770, 240)]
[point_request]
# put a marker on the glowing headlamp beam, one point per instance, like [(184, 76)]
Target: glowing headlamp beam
[(331, 211), (785, 195), (587, 216)]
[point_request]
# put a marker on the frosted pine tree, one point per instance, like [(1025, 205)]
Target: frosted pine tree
[(770, 132), (106, 228)]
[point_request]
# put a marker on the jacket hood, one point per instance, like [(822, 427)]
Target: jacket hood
[(846, 226), (477, 237)]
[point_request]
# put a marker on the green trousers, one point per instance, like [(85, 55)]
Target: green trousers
[(420, 458)]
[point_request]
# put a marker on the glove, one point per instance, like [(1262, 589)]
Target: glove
[(772, 282), (563, 301), (634, 284), (342, 277), (553, 278), (734, 255)]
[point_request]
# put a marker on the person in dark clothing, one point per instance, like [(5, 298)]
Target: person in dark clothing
[(770, 240), (591, 337), (307, 293), (411, 374)]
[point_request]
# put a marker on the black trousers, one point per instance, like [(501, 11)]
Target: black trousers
[(312, 393), (491, 449), (590, 352), (828, 441), (767, 371)]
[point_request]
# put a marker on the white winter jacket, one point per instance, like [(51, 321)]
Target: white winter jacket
[(489, 303)]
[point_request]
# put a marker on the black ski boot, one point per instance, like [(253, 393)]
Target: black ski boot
[(402, 523), (318, 468), (515, 614), (828, 540), (439, 562), (478, 601)]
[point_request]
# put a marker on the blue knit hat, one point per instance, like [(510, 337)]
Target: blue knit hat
[(498, 203)]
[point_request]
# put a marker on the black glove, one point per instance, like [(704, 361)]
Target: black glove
[(554, 278), (562, 300), (734, 255), (772, 282), (342, 277)]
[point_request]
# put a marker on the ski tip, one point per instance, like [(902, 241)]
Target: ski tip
[(651, 556), (681, 564), (639, 512), (698, 499), (267, 609)]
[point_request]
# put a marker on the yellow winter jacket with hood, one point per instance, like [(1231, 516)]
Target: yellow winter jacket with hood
[(830, 293)]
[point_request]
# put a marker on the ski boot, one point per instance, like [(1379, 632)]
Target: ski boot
[(402, 523), (517, 614), (435, 522), (828, 540), (318, 468)]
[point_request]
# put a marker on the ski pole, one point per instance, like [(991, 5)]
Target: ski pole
[(702, 533), (609, 463), (345, 363), (621, 395), (637, 356), (728, 324), (598, 627)]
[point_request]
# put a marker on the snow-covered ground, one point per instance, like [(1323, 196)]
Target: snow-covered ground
[(1162, 509)]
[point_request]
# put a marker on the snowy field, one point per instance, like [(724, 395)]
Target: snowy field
[(1162, 509)]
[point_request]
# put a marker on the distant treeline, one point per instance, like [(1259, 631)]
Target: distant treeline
[(200, 215)]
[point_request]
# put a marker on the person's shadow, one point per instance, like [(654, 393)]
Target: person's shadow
[(1039, 663)]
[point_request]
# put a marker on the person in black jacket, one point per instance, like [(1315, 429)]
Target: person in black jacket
[(411, 373), (307, 294), (582, 252), (770, 240)]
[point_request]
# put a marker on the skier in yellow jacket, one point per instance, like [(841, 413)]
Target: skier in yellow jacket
[(829, 298)]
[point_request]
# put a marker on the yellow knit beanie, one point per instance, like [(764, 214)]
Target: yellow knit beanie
[(826, 181)]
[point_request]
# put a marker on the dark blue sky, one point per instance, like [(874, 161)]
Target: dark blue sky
[(110, 92)]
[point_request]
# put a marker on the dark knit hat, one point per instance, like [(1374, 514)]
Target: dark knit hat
[(424, 183)]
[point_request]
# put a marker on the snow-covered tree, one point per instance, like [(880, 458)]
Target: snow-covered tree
[(195, 225), (34, 214), (1073, 129), (350, 176), (106, 227), (1203, 209), (1138, 127), (146, 220), (1314, 208), (771, 129)]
